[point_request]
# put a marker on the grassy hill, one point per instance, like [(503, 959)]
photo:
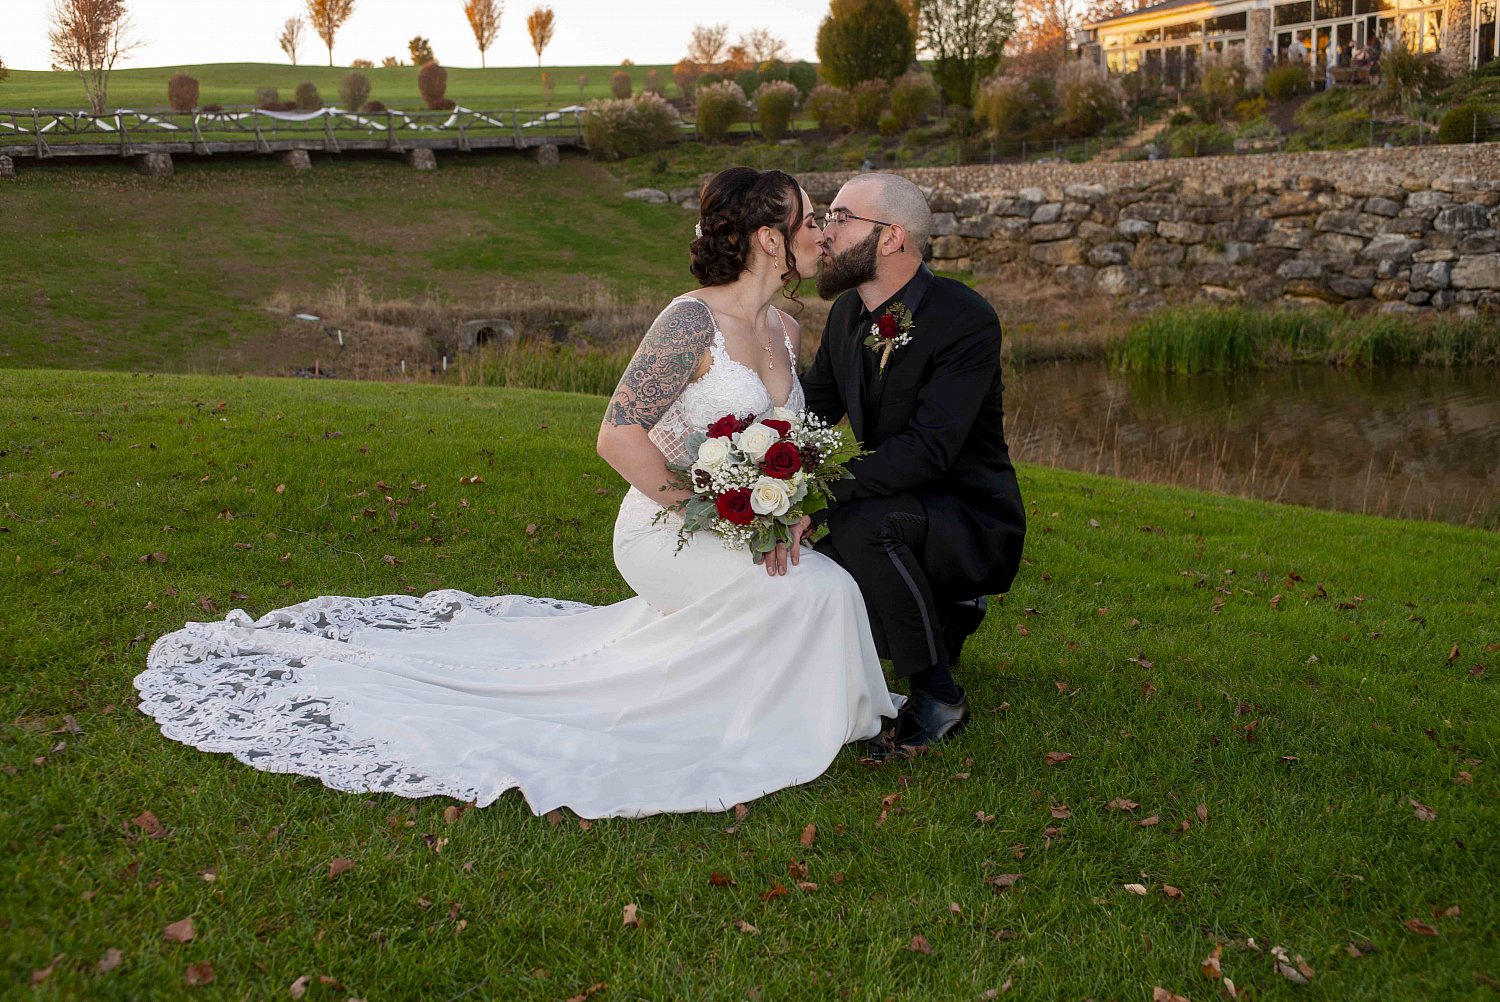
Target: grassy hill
[(235, 83), (1276, 687)]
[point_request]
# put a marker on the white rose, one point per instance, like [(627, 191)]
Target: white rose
[(713, 452), (755, 440), (768, 496), (786, 414)]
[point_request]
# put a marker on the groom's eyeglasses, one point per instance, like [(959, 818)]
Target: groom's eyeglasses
[(838, 217)]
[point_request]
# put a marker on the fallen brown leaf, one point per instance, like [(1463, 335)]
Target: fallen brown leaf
[(746, 927), (919, 944), (1423, 812), (1138, 889), (1202, 812), (1419, 927), (1121, 804), (778, 891), (199, 974), (148, 823), (809, 836), (1057, 757), (806, 886), (1154, 819), (1170, 891), (584, 995), (955, 908), (631, 918), (719, 880), (42, 974), (1060, 811), (298, 988), (1285, 967), (741, 812), (338, 866), (111, 960), (1210, 965), (1160, 994), (1452, 911), (983, 818), (1002, 882), (180, 931)]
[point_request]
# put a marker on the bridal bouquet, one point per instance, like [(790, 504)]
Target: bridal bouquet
[(753, 478)]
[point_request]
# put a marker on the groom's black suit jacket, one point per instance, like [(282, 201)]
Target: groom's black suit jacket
[(933, 424)]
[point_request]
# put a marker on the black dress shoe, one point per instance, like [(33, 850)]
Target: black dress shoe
[(962, 619), (925, 720)]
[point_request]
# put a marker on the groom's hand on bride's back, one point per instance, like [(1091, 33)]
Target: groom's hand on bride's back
[(778, 560)]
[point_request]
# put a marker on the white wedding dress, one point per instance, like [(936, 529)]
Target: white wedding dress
[(715, 685)]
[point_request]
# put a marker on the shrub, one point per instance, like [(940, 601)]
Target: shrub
[(686, 75), (1199, 141), (720, 106), (710, 78), (1282, 83), (267, 96), (1005, 105), (308, 98), (420, 50), (888, 124), (442, 104), (913, 96), (1223, 85), (549, 88), (354, 91), (182, 92), (775, 102), (620, 85), (432, 81), (1250, 108), (373, 108), (390, 62), (772, 69), (1087, 96), (804, 75), (652, 84), (748, 79), (1467, 123), (1180, 118), (828, 106), (866, 101), (1410, 77), (211, 109), (362, 64), (620, 128)]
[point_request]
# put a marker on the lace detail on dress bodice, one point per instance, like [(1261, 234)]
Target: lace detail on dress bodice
[(728, 387)]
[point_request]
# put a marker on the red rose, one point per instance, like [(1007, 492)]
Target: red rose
[(725, 426), (734, 506), (888, 328), (782, 428), (781, 461)]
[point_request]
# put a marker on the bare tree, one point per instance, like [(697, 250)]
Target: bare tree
[(762, 46), (707, 43), (539, 23), (965, 38), (327, 17), (484, 20), (89, 37), (290, 38)]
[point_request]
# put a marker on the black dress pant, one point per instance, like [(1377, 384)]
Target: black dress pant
[(880, 542)]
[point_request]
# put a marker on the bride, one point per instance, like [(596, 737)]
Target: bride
[(723, 680)]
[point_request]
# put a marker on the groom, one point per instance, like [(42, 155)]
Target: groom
[(932, 521)]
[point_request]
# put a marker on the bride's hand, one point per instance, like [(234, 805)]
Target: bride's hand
[(778, 560)]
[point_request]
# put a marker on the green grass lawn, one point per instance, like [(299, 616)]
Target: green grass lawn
[(235, 84), (1275, 685), (106, 268)]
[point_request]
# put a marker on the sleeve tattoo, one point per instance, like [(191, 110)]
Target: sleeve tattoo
[(662, 366)]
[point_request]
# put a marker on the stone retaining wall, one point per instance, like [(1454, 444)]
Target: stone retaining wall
[(1400, 230)]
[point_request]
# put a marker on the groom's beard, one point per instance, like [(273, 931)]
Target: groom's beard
[(854, 267)]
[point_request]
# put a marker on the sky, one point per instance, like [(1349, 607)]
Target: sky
[(587, 33)]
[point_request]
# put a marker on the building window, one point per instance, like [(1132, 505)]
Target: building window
[(1484, 39), (1293, 13), (1226, 24)]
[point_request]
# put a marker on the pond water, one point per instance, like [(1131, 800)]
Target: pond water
[(1408, 442)]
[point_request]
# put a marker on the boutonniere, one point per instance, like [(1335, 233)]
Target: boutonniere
[(891, 330)]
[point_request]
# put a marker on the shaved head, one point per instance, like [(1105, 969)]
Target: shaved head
[(896, 199)]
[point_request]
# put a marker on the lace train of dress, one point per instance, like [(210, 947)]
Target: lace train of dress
[(715, 685)]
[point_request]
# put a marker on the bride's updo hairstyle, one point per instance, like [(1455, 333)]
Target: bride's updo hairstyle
[(735, 204)]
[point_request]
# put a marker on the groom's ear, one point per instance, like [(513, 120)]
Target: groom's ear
[(898, 238)]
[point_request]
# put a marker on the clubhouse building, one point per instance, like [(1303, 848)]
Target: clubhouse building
[(1168, 41)]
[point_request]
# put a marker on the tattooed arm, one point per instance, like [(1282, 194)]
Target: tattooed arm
[(669, 357)]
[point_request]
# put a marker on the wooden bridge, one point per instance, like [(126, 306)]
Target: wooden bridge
[(48, 133)]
